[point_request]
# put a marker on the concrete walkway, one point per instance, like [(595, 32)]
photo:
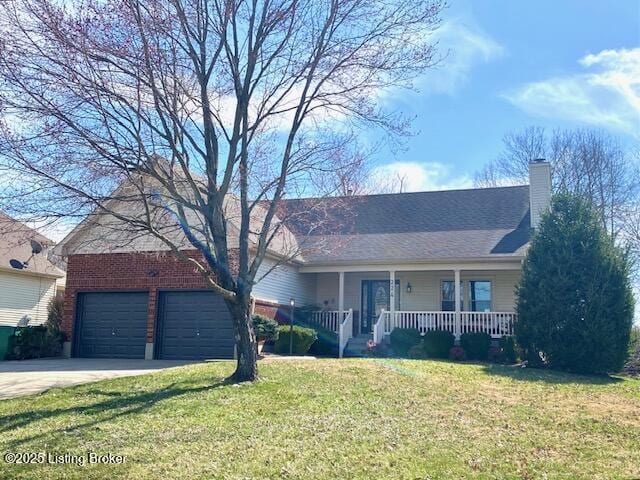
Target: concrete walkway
[(275, 356), (27, 377)]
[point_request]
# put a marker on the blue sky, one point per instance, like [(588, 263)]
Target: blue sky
[(511, 64)]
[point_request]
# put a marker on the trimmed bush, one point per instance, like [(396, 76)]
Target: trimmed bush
[(417, 352), (476, 345), (54, 314), (34, 342), (457, 353), (438, 343), (495, 355), (509, 349), (326, 345), (402, 339), (575, 305), (303, 338), (265, 328)]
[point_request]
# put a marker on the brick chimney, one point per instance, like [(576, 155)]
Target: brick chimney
[(539, 189)]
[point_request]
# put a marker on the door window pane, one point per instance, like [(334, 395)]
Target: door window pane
[(380, 297), (480, 295), (449, 296)]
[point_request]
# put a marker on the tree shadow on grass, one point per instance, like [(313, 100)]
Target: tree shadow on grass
[(116, 405), (548, 376)]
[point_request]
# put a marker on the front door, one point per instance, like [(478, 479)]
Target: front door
[(375, 298)]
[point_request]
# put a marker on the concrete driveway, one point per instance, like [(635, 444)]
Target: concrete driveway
[(27, 377)]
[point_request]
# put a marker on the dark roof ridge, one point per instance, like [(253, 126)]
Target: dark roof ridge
[(369, 195)]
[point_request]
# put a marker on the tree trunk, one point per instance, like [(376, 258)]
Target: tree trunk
[(246, 350)]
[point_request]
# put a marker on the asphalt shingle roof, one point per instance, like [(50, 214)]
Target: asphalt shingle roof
[(404, 227), (454, 224)]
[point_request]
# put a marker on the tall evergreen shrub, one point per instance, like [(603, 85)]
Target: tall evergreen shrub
[(575, 306)]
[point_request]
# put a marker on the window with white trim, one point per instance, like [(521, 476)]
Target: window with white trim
[(480, 295), (448, 296)]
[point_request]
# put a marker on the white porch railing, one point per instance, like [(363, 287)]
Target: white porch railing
[(496, 324), (329, 319), (345, 331), (424, 321), (378, 328)]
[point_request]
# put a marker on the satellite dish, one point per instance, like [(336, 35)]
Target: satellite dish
[(24, 321), (36, 247), (17, 264)]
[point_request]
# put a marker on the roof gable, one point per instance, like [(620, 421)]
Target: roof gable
[(15, 243), (104, 232)]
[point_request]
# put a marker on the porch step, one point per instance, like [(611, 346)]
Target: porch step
[(356, 346)]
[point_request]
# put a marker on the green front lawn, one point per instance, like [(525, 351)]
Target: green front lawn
[(335, 419)]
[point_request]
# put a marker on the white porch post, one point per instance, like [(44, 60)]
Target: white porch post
[(341, 296), (392, 297), (456, 289)]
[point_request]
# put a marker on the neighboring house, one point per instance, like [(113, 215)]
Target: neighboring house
[(27, 291), (452, 257)]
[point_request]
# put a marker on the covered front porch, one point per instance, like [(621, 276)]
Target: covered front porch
[(371, 300)]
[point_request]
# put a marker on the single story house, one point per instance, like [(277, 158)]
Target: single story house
[(27, 291), (446, 259)]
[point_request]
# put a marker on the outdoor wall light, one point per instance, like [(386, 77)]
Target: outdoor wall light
[(408, 287)]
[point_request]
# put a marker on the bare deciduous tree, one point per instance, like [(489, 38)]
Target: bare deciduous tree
[(586, 162), (361, 179), (176, 116), (511, 167)]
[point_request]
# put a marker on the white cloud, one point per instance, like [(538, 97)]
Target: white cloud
[(464, 46), (416, 177), (607, 95), (57, 231)]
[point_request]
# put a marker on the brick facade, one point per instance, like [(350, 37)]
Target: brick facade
[(280, 313), (114, 272)]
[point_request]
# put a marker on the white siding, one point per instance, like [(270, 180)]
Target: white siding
[(425, 288), (504, 298), (24, 295), (283, 283)]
